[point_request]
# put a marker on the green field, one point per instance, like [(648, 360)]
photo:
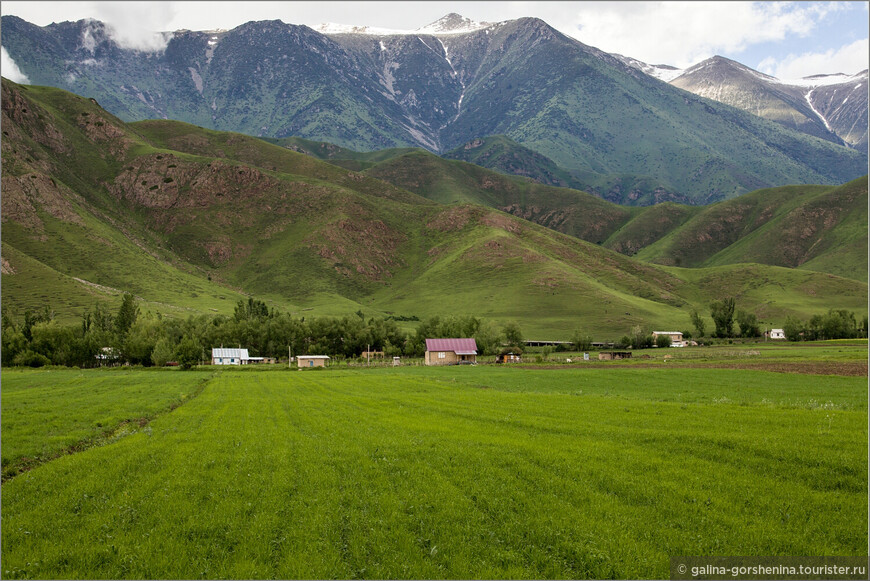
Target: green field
[(46, 412), (580, 471)]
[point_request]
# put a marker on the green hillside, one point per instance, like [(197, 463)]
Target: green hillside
[(822, 228), (190, 220), (819, 228)]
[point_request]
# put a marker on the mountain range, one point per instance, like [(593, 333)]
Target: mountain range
[(596, 121), (190, 220)]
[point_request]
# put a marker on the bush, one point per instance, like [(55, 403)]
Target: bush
[(663, 340), (30, 358), (188, 352)]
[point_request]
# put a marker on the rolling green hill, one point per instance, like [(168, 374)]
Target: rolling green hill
[(190, 220), (819, 228)]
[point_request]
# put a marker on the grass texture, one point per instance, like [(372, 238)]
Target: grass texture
[(582, 472)]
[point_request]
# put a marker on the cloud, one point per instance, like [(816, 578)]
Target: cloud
[(10, 69), (849, 59), (684, 33), (136, 25)]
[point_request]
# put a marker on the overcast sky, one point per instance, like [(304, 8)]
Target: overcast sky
[(788, 40)]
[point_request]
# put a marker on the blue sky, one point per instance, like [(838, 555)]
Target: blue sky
[(785, 39)]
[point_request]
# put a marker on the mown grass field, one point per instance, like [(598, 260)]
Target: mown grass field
[(582, 471)]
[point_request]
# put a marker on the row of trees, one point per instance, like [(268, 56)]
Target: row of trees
[(835, 324), (127, 336), (723, 314)]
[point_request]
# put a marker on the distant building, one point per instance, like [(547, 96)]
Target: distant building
[(450, 351), (611, 355), (777, 334), (676, 337), (228, 356), (303, 361)]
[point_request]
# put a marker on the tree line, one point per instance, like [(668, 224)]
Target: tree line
[(128, 337), (835, 324)]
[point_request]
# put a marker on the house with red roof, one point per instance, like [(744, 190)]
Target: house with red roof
[(450, 351)]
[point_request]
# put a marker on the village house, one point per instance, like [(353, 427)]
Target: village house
[(776, 334), (676, 337), (303, 361), (450, 351), (230, 356)]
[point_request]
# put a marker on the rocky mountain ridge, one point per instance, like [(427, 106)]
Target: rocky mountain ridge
[(830, 106), (589, 112)]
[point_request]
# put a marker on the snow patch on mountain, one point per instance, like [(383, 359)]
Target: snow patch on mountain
[(450, 24), (453, 24), (824, 80)]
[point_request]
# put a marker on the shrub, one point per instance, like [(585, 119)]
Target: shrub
[(30, 358)]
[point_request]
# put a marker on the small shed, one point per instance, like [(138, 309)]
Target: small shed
[(611, 355), (303, 361), (450, 351), (777, 334)]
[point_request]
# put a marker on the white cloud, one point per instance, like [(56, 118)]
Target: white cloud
[(684, 33), (10, 70), (848, 59), (134, 25)]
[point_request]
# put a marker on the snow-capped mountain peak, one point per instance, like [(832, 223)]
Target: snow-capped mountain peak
[(452, 24)]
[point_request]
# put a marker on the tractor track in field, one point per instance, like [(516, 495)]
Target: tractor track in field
[(125, 428)]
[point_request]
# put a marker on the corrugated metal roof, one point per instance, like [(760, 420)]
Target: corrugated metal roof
[(227, 352), (458, 346), (312, 356)]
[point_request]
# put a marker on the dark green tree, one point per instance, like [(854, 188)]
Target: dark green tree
[(793, 329), (748, 324), (513, 334), (188, 352), (723, 316), (127, 314), (698, 323)]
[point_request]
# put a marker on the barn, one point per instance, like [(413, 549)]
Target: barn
[(450, 351)]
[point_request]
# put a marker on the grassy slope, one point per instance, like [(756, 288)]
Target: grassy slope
[(311, 235), (815, 227), (823, 226)]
